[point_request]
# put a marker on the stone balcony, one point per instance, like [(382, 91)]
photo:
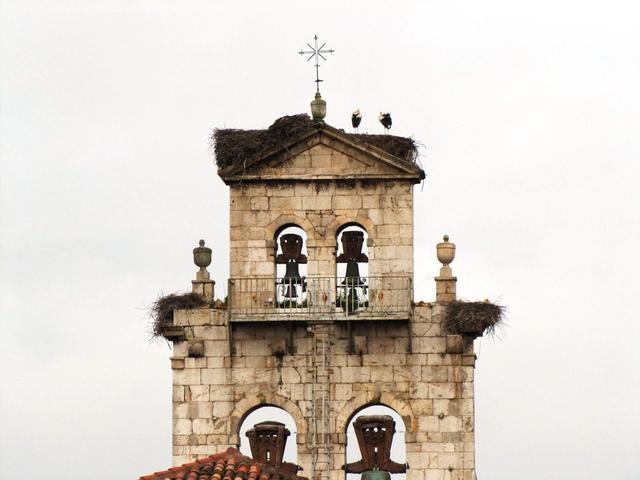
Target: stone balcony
[(320, 298)]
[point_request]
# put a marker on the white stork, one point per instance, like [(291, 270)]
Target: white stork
[(356, 118), (385, 120)]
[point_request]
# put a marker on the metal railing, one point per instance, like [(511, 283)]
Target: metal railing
[(252, 298)]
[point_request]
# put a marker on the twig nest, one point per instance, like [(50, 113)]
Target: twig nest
[(162, 310), (473, 318), (233, 147)]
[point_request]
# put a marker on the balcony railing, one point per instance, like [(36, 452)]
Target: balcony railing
[(318, 298)]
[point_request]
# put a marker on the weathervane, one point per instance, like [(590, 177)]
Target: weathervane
[(316, 53)]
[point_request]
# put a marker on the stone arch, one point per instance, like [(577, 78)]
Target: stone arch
[(264, 413), (364, 222), (283, 220), (365, 399), (252, 401)]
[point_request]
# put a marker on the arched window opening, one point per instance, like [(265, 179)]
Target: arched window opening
[(291, 267), (384, 448), (270, 429), (352, 268)]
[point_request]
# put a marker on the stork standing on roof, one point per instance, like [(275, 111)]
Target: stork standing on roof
[(356, 118), (385, 120)]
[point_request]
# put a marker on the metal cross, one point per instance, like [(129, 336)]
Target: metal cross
[(316, 53)]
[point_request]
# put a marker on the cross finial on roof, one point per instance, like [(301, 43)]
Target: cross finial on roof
[(316, 53)]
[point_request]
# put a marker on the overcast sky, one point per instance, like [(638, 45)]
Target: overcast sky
[(528, 113)]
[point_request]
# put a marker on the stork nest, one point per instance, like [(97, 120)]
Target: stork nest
[(405, 148), (162, 309), (235, 147), (473, 318)]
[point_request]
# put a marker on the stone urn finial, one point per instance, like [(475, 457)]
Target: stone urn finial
[(202, 256), (446, 252), (203, 283), (318, 108)]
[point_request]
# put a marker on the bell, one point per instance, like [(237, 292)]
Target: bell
[(352, 275), (375, 436), (375, 475), (292, 274), (268, 441), (352, 283), (291, 278)]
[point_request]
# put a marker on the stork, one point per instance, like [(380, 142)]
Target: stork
[(385, 120), (356, 118)]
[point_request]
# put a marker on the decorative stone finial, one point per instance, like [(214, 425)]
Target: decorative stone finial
[(446, 282), (318, 108), (203, 283), (446, 252), (202, 256)]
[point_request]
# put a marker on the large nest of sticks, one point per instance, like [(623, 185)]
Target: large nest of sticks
[(162, 309), (405, 148), (235, 147), (473, 318)]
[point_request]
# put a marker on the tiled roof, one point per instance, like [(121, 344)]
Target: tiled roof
[(229, 465)]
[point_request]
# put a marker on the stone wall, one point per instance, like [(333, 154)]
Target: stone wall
[(321, 207), (412, 367)]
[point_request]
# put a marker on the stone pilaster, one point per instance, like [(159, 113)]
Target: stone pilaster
[(446, 289), (203, 285)]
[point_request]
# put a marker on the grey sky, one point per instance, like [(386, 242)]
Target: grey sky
[(529, 116)]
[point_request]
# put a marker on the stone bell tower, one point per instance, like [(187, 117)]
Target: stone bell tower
[(320, 318)]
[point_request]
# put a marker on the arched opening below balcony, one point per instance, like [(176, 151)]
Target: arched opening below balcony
[(398, 450), (270, 413)]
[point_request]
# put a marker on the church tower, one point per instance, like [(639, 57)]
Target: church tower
[(320, 318)]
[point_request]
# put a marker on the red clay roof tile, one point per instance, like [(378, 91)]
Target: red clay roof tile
[(229, 465)]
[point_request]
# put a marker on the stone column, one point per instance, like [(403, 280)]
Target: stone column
[(446, 282)]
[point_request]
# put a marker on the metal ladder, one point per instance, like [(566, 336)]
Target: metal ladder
[(321, 434)]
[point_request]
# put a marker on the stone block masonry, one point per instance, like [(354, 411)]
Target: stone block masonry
[(322, 363), (414, 367), (320, 206)]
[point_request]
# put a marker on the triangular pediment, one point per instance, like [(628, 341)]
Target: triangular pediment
[(323, 153)]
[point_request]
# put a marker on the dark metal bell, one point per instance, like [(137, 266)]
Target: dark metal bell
[(268, 441), (352, 275), (291, 279), (292, 274), (375, 436)]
